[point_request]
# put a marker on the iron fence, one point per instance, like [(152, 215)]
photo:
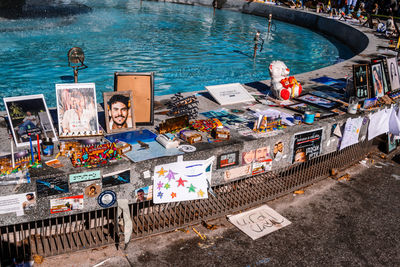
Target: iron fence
[(93, 229)]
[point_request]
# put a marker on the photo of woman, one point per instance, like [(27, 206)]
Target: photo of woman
[(377, 80)]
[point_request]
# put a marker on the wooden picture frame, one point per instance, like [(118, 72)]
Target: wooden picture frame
[(142, 87), (361, 81), (118, 111), (29, 115)]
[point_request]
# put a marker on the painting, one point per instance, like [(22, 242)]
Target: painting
[(28, 115), (119, 111), (77, 109)]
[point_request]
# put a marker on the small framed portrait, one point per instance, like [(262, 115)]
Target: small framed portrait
[(28, 115), (77, 109), (228, 159), (393, 73), (378, 79), (119, 113), (360, 79)]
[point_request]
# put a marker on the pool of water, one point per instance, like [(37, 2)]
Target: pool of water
[(186, 46)]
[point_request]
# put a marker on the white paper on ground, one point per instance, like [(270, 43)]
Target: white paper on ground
[(379, 123), (351, 132), (259, 221)]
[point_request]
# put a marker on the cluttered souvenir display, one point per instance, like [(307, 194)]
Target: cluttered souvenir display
[(94, 150)]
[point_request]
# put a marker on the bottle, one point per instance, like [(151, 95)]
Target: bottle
[(48, 147)]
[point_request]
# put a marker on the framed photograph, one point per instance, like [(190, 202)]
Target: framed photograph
[(393, 73), (360, 79), (29, 115), (318, 101), (142, 87), (378, 80), (228, 159), (77, 109), (319, 113), (119, 113), (369, 103), (391, 143)]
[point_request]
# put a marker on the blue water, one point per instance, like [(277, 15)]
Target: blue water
[(186, 46)]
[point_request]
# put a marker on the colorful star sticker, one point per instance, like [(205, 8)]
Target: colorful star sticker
[(192, 188), (160, 185), (181, 182), (161, 172), (200, 193), (160, 194), (171, 175), (173, 194), (167, 186)]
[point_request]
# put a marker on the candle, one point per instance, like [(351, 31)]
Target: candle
[(30, 143), (12, 154), (38, 147)]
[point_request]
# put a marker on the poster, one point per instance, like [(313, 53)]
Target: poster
[(307, 145), (182, 180), (18, 203), (259, 222), (117, 178), (73, 203), (351, 132), (52, 186), (228, 159), (378, 123), (261, 166), (77, 108), (29, 115)]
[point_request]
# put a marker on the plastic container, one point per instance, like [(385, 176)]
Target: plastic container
[(48, 147)]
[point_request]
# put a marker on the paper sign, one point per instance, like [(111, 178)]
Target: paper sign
[(17, 203), (180, 181), (84, 176), (259, 222), (117, 178), (64, 204), (228, 94), (379, 123), (351, 132), (307, 145), (237, 172)]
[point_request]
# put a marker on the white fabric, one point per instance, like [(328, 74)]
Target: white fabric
[(124, 209), (378, 123), (351, 132), (394, 122)]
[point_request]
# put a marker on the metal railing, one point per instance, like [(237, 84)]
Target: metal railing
[(92, 229)]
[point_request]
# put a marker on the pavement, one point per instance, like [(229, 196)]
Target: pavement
[(334, 223)]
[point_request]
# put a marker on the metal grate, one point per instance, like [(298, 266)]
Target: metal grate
[(98, 228)]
